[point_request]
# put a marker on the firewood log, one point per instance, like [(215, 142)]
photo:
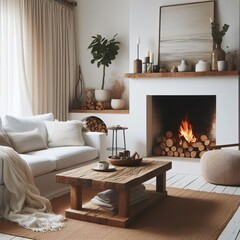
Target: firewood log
[(167, 149), (193, 154), (201, 148), (203, 138), (187, 154), (169, 142), (190, 148), (207, 142), (181, 155), (173, 148), (196, 144), (185, 144), (176, 154), (170, 153), (180, 150)]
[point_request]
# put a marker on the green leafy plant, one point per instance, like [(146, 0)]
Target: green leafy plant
[(218, 34), (104, 51)]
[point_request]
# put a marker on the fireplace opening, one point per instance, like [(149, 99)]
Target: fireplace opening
[(182, 126)]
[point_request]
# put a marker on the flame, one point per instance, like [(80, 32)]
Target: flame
[(185, 130)]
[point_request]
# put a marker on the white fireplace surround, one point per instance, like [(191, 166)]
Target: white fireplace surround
[(225, 88)]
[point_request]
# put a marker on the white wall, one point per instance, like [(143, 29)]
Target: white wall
[(105, 17)]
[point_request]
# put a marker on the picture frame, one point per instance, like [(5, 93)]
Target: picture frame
[(185, 33)]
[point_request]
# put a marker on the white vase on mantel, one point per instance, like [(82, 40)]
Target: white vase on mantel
[(102, 95), (202, 66), (184, 66)]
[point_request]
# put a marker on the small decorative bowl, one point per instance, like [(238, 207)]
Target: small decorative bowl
[(124, 162)]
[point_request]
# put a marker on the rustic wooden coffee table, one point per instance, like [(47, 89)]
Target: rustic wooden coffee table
[(123, 179)]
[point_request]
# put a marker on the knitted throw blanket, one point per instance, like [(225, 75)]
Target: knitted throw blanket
[(22, 202)]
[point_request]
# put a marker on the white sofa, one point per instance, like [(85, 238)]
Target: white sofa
[(59, 154)]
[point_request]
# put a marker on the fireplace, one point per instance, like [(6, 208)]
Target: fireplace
[(183, 126), (221, 91)]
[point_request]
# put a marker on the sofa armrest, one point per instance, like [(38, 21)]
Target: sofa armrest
[(98, 141)]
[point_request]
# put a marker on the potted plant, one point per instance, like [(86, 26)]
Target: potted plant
[(103, 51)]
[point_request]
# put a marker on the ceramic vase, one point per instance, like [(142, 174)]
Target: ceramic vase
[(202, 66), (218, 54), (184, 66)]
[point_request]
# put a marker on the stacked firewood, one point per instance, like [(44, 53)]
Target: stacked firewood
[(95, 124), (172, 146), (90, 104)]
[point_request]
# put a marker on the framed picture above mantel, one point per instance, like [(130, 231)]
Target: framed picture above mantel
[(185, 33)]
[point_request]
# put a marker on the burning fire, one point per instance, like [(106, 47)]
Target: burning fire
[(185, 130)]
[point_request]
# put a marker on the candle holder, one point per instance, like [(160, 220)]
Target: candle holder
[(137, 63)]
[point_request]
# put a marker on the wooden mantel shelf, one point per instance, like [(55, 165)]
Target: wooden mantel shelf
[(109, 111), (182, 74)]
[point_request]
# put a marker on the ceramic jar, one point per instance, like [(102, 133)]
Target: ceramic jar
[(202, 66), (117, 103), (184, 66)]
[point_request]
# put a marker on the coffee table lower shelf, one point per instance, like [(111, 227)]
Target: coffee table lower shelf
[(95, 214)]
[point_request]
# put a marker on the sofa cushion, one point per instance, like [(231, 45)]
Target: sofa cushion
[(67, 133), (4, 140), (39, 165), (27, 141), (24, 124), (67, 156)]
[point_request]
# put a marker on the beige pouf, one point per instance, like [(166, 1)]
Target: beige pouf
[(221, 166)]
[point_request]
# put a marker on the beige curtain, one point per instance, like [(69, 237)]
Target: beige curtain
[(50, 51), (44, 44)]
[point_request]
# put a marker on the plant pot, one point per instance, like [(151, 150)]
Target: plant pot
[(102, 95), (117, 104)]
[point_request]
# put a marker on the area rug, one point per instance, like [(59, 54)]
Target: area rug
[(183, 215)]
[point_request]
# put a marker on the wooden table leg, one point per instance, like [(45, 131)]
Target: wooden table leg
[(161, 183), (123, 203), (76, 197)]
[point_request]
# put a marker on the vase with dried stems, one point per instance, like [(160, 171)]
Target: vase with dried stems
[(218, 53), (118, 88)]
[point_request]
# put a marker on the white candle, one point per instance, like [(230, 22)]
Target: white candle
[(138, 40), (148, 54), (152, 57)]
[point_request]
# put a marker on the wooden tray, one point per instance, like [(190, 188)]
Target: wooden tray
[(127, 162)]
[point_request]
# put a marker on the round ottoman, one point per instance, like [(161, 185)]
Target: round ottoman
[(221, 166)]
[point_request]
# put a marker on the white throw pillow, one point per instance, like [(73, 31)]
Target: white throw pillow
[(27, 141), (24, 124), (67, 133), (4, 140)]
